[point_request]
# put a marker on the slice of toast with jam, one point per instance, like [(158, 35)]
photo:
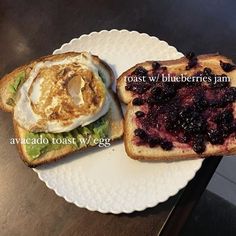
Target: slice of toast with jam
[(180, 109)]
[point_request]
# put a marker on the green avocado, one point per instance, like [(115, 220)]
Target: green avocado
[(17, 82), (81, 136), (13, 87), (34, 148), (101, 128)]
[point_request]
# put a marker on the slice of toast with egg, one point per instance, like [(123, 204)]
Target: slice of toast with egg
[(168, 120), (61, 104)]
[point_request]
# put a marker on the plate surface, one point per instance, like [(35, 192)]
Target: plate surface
[(105, 179)]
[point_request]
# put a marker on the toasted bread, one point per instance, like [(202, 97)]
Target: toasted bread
[(158, 154), (179, 150), (103, 68), (208, 60), (114, 115), (115, 132)]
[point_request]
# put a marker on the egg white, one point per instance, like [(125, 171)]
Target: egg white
[(27, 118)]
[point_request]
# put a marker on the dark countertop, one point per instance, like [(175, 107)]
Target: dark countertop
[(30, 29)]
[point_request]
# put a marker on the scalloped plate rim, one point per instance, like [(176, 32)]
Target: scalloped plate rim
[(127, 211)]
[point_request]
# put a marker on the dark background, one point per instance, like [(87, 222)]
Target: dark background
[(29, 29), (34, 28)]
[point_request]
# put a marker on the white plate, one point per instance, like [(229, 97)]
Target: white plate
[(105, 179)]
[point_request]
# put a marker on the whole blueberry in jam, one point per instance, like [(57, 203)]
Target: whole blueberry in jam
[(227, 67), (139, 114), (215, 136), (153, 142), (138, 101), (199, 147), (192, 63), (190, 55), (140, 133), (166, 145), (140, 71), (207, 71), (155, 65), (200, 102), (225, 117)]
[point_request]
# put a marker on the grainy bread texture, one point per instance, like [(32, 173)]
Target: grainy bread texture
[(114, 114), (180, 150)]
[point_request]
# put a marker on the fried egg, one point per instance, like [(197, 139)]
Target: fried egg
[(61, 95)]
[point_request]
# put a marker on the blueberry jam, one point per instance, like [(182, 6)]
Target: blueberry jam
[(139, 114), (227, 67), (190, 55), (181, 114), (192, 60), (138, 101), (155, 65)]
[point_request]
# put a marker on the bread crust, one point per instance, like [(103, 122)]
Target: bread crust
[(58, 154), (115, 132), (115, 117), (146, 153), (126, 96)]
